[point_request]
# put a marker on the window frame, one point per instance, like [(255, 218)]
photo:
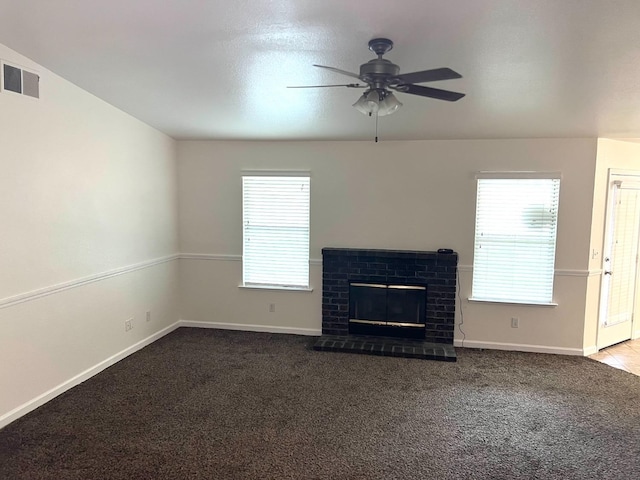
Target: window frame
[(275, 285), (555, 200)]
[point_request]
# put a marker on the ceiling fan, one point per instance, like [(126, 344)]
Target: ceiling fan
[(380, 76)]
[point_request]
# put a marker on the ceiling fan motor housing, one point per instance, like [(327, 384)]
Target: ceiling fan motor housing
[(378, 72)]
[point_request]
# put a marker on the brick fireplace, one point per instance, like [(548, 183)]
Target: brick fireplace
[(436, 272)]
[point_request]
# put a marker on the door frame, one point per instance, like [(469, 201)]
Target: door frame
[(629, 175)]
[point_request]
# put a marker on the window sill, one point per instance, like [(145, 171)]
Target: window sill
[(514, 302), (276, 287)]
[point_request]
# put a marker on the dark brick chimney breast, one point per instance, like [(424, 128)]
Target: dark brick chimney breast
[(436, 271)]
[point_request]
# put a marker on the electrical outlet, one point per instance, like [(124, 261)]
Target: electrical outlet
[(128, 324), (272, 307), (148, 316), (515, 322)]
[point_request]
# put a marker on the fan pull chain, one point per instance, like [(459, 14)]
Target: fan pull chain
[(376, 128)]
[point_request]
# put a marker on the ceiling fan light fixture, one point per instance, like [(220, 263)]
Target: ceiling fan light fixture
[(390, 104), (377, 102), (368, 103)]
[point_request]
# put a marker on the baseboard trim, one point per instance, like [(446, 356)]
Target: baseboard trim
[(43, 292), (27, 407), (589, 350), (517, 347), (251, 328)]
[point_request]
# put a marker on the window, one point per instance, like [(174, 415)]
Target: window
[(276, 231), (515, 239)]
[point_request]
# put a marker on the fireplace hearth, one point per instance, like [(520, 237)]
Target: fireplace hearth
[(388, 293)]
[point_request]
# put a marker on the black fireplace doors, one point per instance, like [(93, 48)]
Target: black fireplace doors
[(389, 310)]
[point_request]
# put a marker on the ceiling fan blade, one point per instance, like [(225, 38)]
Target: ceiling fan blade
[(429, 92), (343, 72), (348, 85), (427, 76)]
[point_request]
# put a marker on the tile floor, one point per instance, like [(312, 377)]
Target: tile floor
[(625, 356)]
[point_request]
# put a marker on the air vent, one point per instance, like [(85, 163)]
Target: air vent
[(17, 80)]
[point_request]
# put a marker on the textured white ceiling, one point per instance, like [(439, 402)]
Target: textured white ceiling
[(209, 69)]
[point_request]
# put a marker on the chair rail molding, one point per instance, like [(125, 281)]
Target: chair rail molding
[(43, 292)]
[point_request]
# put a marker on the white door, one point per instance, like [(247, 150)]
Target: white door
[(620, 268)]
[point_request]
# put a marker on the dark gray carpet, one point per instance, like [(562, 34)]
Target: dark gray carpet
[(207, 404)]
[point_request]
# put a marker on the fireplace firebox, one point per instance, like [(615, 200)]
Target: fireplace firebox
[(387, 309)]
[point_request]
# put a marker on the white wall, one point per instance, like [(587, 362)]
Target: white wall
[(400, 195), (86, 192)]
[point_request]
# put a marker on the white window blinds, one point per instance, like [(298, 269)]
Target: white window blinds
[(515, 239), (276, 230)]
